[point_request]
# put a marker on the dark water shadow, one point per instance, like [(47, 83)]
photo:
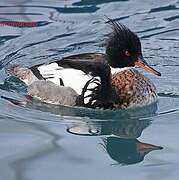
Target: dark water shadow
[(94, 2), (71, 10), (13, 84), (163, 8), (172, 18), (7, 38), (159, 33), (19, 13)]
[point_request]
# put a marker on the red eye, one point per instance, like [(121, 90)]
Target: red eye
[(127, 53)]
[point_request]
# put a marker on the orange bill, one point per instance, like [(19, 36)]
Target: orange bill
[(143, 64), (146, 148)]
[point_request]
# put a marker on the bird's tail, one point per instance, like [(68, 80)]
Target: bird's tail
[(24, 74)]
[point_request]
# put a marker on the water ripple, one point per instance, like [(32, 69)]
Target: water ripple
[(172, 18), (87, 9), (94, 2), (77, 26), (6, 38), (150, 29), (158, 33), (31, 14), (164, 8)]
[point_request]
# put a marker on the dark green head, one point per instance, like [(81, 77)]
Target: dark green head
[(124, 49)]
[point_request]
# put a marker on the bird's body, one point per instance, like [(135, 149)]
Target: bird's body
[(128, 87), (95, 79), (133, 89)]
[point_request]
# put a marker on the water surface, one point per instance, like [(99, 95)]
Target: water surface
[(39, 141)]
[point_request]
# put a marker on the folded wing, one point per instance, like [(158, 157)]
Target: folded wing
[(88, 74)]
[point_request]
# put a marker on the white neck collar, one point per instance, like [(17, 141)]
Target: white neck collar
[(116, 70)]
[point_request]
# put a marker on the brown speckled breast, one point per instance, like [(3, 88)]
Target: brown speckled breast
[(131, 89)]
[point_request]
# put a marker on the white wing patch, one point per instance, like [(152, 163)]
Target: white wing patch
[(73, 78)]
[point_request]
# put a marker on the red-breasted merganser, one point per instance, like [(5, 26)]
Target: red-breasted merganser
[(95, 80)]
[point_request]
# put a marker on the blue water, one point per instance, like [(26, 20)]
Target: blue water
[(42, 142)]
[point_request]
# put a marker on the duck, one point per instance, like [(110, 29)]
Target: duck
[(95, 80)]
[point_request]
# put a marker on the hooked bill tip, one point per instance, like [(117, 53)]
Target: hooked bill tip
[(144, 65)]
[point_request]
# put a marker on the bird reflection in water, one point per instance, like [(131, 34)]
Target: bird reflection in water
[(127, 151), (121, 142)]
